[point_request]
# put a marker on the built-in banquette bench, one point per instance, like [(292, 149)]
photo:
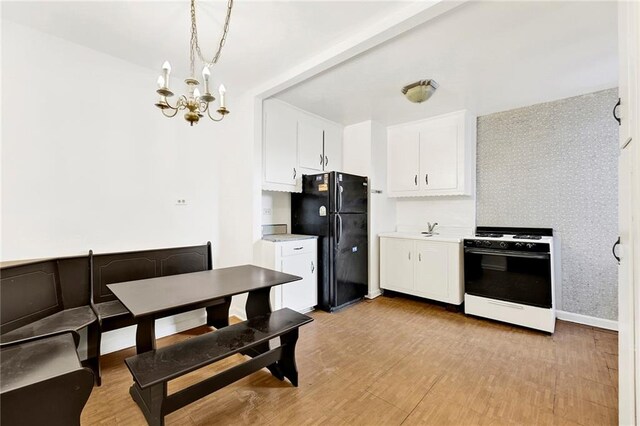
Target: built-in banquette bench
[(42, 381), (152, 370), (45, 297)]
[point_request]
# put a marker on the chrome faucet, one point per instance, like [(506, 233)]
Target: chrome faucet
[(431, 227)]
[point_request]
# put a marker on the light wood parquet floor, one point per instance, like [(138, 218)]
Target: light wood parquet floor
[(401, 361)]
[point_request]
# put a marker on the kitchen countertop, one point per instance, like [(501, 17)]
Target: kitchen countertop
[(276, 238), (445, 238)]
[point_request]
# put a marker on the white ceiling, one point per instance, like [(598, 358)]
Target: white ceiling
[(266, 37), (486, 56)]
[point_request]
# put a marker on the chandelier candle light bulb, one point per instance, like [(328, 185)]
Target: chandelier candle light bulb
[(222, 90), (166, 68), (196, 93), (160, 82), (205, 76)]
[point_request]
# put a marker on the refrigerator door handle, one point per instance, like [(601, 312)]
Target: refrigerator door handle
[(339, 229)]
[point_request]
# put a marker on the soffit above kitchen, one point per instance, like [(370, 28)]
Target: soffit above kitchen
[(266, 37), (486, 57)]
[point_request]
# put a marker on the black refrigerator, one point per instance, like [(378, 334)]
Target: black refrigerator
[(333, 206)]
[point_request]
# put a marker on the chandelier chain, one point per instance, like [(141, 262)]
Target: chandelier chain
[(195, 46)]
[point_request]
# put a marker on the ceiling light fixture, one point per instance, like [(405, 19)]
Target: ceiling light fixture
[(195, 103), (420, 91)]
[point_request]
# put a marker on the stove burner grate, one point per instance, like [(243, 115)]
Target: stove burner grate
[(527, 237), (489, 235)]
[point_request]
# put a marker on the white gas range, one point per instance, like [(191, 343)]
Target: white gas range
[(510, 276)]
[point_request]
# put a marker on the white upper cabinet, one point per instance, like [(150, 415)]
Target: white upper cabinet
[(296, 143), (332, 146), (280, 146), (403, 159), (629, 77), (432, 157), (310, 144)]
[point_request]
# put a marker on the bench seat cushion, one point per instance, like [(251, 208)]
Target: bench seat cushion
[(68, 320)]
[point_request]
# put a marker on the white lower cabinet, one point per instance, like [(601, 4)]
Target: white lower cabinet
[(299, 258), (429, 269)]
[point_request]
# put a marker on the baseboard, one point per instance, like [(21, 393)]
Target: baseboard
[(587, 320), (375, 294), (123, 338)]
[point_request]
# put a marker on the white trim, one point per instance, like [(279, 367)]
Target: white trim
[(376, 293), (236, 311), (587, 320)]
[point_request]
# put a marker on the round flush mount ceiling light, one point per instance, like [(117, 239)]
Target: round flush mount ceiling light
[(420, 91)]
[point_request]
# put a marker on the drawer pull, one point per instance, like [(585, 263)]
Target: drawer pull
[(506, 305), (313, 267), (298, 248)]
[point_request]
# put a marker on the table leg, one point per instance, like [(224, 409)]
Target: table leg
[(145, 334), (218, 315), (259, 303)]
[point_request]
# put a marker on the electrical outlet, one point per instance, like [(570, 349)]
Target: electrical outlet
[(267, 212), (181, 202)]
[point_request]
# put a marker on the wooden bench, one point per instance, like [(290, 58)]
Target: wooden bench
[(42, 381), (109, 268), (152, 370), (48, 297)]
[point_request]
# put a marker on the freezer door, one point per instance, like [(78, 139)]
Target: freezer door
[(350, 253), (349, 193)]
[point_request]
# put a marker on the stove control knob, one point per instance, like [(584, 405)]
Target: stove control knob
[(518, 245), (504, 244), (487, 243), (478, 243), (530, 245)]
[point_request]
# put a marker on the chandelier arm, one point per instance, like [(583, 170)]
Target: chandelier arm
[(175, 111), (214, 119)]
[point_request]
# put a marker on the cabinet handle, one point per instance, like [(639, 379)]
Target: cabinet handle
[(313, 267), (615, 112), (409, 255), (419, 257), (297, 248), (426, 178), (321, 160), (613, 250), (326, 160), (415, 180), (294, 173)]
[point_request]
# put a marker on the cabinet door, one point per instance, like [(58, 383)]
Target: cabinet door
[(280, 143), (431, 272), (301, 295), (397, 264), (332, 147), (629, 52), (310, 141), (439, 155), (402, 167)]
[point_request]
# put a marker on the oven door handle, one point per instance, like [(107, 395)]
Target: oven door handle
[(507, 253)]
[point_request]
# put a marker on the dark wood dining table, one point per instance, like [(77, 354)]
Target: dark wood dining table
[(160, 297)]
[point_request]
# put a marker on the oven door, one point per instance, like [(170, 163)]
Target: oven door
[(519, 277)]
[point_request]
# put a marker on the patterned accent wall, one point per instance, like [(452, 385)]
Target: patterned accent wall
[(556, 165)]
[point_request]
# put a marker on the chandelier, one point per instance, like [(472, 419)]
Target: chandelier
[(194, 103)]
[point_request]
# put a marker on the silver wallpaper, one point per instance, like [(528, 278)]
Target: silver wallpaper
[(556, 165)]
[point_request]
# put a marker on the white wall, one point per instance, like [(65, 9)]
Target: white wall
[(88, 162), (458, 211), (276, 208)]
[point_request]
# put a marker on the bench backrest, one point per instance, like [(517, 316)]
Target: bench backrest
[(109, 268), (29, 292)]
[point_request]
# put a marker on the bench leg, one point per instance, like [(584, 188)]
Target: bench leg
[(218, 315), (94, 337), (288, 361), (150, 402)]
